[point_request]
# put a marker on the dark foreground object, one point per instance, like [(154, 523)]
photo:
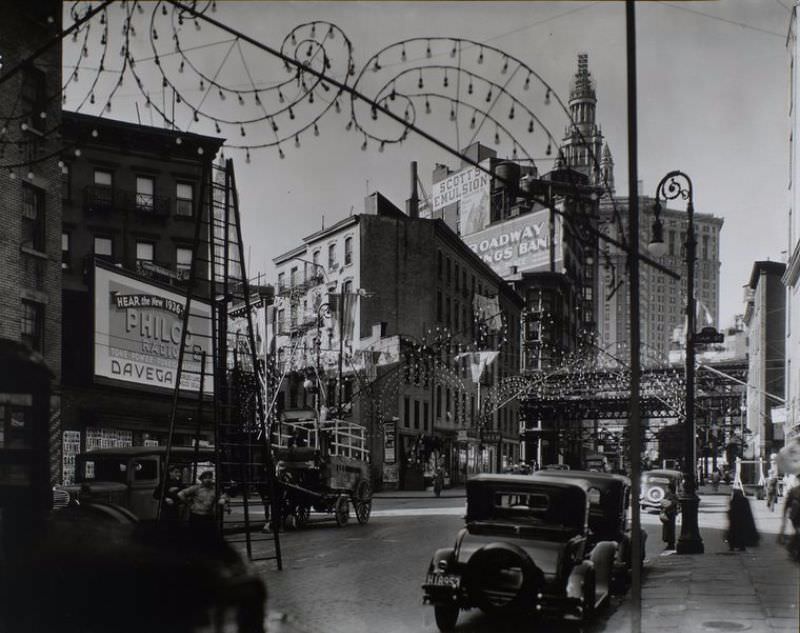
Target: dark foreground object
[(117, 577)]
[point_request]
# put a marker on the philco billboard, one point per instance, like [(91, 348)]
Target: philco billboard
[(523, 242), (471, 188), (137, 334)]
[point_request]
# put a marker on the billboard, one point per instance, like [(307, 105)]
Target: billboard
[(523, 242), (137, 334), (470, 187)]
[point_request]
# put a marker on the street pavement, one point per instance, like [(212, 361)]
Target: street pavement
[(367, 578), (756, 590)]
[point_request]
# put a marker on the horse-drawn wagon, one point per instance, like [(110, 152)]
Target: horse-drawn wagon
[(323, 468)]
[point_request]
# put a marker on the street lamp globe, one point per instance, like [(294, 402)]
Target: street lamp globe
[(657, 247)]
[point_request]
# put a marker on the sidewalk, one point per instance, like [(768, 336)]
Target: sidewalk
[(457, 492), (755, 591)]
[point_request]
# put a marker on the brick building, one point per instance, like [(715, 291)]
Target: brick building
[(30, 200), (416, 291), (130, 197)]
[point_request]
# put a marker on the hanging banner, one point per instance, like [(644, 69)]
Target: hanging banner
[(137, 334)]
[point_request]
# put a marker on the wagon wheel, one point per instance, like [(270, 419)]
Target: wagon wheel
[(342, 510), (362, 501), (303, 515)]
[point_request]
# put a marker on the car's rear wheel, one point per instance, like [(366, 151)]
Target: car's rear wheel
[(502, 577), (446, 617)]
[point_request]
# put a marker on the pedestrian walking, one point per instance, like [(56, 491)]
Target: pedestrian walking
[(202, 500), (715, 479), (791, 515), (668, 514), (742, 530), (772, 492), (170, 487)]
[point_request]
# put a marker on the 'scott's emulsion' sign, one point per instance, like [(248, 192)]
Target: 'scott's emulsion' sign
[(138, 329)]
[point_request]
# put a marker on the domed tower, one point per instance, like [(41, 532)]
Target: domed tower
[(583, 140)]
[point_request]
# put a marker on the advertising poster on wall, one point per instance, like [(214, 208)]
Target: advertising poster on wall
[(137, 334), (523, 242), (471, 188)]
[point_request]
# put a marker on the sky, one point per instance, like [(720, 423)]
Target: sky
[(712, 102)]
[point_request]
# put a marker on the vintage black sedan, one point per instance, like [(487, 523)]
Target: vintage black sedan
[(524, 550), (609, 502)]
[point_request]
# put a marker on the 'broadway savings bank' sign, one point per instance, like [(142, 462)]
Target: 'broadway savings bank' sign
[(523, 242)]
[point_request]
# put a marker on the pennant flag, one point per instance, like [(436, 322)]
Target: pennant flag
[(478, 362)]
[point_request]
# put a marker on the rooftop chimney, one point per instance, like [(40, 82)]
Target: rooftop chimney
[(412, 204)]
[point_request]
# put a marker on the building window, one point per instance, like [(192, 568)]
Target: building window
[(416, 414), (145, 252), (32, 325), (315, 261), (406, 411), (104, 247), (448, 269), (347, 287), (281, 281), (65, 251), (457, 276), (145, 188), (438, 401), (66, 182), (331, 256), (425, 415), (103, 178), (184, 199), (183, 261), (439, 306), (34, 97), (293, 279), (348, 251), (33, 220)]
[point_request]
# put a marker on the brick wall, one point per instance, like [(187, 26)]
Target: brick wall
[(26, 274)]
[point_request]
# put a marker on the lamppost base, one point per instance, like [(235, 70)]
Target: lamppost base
[(690, 541)]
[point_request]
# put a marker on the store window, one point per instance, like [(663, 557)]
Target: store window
[(33, 217)]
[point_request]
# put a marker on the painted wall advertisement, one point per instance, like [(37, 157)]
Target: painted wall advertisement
[(470, 187), (137, 334), (523, 242)]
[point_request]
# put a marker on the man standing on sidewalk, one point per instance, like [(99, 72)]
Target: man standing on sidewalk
[(202, 500), (791, 512)]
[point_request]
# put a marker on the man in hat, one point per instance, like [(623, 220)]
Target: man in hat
[(202, 499)]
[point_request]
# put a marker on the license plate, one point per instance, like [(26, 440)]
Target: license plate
[(443, 580)]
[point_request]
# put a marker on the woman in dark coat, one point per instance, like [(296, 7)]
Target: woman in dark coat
[(742, 530)]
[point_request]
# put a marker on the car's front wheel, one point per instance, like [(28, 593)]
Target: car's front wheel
[(446, 616)]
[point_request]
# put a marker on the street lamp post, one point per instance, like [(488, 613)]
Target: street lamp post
[(674, 185)]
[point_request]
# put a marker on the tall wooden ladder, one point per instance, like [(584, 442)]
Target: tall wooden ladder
[(218, 288)]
